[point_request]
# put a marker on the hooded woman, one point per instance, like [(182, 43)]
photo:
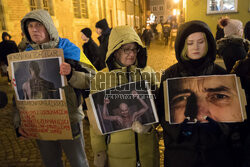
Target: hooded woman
[(41, 33), (196, 144), (126, 55)]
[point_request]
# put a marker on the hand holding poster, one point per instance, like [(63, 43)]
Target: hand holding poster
[(117, 108), (195, 98), (40, 98)]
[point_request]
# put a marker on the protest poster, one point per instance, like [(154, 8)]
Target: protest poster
[(116, 109), (40, 98), (219, 97)]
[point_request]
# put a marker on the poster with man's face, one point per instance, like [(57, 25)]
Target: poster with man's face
[(196, 98), (117, 108)]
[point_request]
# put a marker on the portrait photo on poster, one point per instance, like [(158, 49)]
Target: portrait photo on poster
[(38, 79), (196, 98), (117, 108)]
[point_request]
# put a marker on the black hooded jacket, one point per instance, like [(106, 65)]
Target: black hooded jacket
[(198, 144), (103, 48), (7, 47), (206, 66)]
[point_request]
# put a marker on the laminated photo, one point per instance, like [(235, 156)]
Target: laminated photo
[(219, 97), (38, 84), (117, 108)]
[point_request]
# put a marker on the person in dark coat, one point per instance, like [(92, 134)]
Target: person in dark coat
[(7, 46), (196, 144), (247, 31), (3, 99), (242, 70), (219, 32), (147, 35), (90, 48), (103, 30), (233, 46)]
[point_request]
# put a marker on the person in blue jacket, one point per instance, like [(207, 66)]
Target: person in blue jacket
[(41, 33)]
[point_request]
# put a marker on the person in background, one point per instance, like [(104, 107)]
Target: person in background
[(23, 44), (166, 33), (233, 46), (159, 31), (40, 31), (103, 30), (210, 144), (247, 31), (126, 62), (3, 99), (147, 35), (90, 48), (219, 33), (7, 46)]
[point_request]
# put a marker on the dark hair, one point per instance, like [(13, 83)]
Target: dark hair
[(30, 20), (87, 32), (247, 30), (35, 67), (4, 34)]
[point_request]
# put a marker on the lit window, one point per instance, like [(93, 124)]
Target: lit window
[(80, 8), (42, 4), (33, 5), (154, 8)]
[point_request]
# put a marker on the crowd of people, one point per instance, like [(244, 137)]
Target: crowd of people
[(121, 51)]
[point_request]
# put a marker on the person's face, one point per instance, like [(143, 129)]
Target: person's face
[(7, 37), (127, 54), (196, 45), (216, 97), (124, 110), (98, 31), (84, 38), (38, 32)]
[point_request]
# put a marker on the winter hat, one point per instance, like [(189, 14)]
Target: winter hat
[(4, 34), (87, 32), (102, 24), (231, 26)]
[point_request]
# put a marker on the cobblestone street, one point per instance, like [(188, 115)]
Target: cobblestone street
[(24, 153)]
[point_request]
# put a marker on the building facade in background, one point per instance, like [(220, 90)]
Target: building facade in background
[(166, 10), (70, 16)]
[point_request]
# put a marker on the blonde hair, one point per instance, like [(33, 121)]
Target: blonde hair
[(184, 51)]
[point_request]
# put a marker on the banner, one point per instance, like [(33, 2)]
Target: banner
[(219, 97), (40, 98)]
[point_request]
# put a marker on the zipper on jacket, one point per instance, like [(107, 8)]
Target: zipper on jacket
[(138, 163)]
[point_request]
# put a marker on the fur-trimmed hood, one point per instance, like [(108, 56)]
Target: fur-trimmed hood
[(232, 40)]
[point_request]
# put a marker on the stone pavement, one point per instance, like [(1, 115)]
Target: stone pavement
[(24, 153)]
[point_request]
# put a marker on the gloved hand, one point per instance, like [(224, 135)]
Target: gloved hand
[(100, 159), (139, 128)]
